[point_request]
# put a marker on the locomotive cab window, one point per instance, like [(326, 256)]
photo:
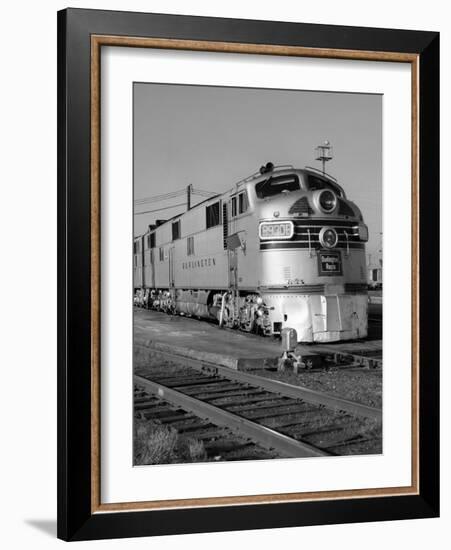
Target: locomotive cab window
[(161, 254), (276, 185), (213, 216), (314, 183)]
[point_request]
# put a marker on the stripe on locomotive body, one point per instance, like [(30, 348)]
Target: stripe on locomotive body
[(314, 230), (342, 238), (320, 222), (348, 288), (306, 235), (294, 289), (269, 245)]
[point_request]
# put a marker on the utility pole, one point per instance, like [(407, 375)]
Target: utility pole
[(324, 153), (189, 190)]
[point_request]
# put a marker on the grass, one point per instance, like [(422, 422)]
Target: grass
[(157, 444)]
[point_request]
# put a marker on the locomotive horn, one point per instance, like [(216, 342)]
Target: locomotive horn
[(269, 167)]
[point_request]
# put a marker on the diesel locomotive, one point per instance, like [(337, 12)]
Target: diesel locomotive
[(283, 247)]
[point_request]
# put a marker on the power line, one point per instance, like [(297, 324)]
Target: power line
[(204, 193), (158, 209), (157, 198), (173, 194)]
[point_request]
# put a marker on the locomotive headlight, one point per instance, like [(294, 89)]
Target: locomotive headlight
[(327, 201), (328, 237), (362, 232), (276, 230)]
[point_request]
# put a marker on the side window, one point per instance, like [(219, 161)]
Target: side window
[(190, 246), (161, 254), (233, 207), (152, 240), (213, 217), (176, 230), (242, 202)]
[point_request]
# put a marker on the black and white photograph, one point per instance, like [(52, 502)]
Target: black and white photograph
[(257, 274), (224, 287)]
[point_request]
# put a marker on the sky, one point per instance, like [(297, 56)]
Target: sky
[(211, 137)]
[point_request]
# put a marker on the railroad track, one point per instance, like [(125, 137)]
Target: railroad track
[(216, 404), (352, 359), (219, 442)]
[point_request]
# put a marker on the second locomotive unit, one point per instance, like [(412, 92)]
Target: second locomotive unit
[(282, 248)]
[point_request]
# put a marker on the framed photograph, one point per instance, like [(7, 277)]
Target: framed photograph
[(248, 274)]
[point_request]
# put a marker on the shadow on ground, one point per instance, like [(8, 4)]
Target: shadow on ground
[(47, 526)]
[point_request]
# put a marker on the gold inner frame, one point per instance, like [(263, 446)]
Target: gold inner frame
[(97, 41)]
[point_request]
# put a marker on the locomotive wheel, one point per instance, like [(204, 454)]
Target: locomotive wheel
[(230, 322), (227, 319)]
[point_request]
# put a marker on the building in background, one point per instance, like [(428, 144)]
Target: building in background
[(374, 268)]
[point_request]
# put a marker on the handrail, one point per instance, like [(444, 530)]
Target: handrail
[(347, 243)]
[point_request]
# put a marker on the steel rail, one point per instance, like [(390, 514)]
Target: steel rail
[(288, 390), (261, 434), (360, 360)]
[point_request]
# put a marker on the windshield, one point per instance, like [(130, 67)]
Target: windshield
[(314, 183), (276, 185)]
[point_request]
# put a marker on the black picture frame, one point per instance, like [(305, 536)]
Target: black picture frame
[(76, 519)]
